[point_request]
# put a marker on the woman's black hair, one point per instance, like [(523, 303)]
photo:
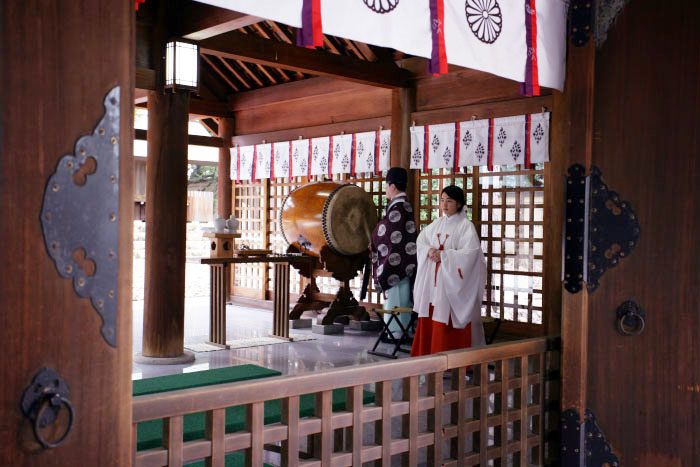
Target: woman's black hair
[(457, 194)]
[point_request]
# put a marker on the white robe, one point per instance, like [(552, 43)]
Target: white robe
[(456, 290)]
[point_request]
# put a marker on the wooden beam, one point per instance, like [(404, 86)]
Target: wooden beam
[(145, 79), (491, 110), (317, 131), (194, 140), (273, 95), (209, 108), (239, 46), (204, 21)]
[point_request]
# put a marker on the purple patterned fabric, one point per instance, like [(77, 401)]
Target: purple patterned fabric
[(434, 61), (305, 34), (394, 246)]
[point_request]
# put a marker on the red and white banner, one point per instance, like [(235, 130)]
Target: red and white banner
[(364, 151), (509, 140), (539, 137), (473, 143), (521, 139), (441, 146), (342, 154), (368, 152), (319, 156), (300, 158), (280, 161), (522, 40), (263, 161)]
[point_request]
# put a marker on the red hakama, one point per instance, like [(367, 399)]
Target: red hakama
[(433, 337)]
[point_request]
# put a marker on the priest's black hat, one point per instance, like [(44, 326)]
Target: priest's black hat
[(397, 176)]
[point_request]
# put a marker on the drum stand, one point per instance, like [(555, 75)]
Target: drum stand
[(342, 268)]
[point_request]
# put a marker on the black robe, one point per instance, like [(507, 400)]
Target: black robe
[(394, 245)]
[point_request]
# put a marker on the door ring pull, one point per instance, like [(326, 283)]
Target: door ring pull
[(630, 319), (55, 401), (42, 402)]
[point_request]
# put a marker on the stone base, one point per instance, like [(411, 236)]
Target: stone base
[(301, 323), (328, 329), (371, 325), (186, 357)]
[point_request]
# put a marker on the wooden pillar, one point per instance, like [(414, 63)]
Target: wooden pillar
[(166, 217), (224, 177), (223, 188), (75, 54), (572, 140), (403, 103)]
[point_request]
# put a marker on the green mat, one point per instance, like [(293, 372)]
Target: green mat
[(150, 433), (200, 378)]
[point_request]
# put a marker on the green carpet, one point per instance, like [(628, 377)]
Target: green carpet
[(200, 378), (150, 433)]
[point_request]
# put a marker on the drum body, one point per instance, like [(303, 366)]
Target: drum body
[(338, 215)]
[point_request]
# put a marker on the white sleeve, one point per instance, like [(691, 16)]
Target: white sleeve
[(463, 274)]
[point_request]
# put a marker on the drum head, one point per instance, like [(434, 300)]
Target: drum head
[(349, 217)]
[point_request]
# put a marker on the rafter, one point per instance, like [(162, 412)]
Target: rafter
[(237, 46), (219, 72), (234, 72), (366, 50), (351, 46), (284, 37)]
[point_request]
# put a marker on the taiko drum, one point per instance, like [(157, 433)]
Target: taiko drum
[(338, 215)]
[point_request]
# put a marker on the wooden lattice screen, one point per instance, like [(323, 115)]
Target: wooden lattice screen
[(506, 205), (507, 208)]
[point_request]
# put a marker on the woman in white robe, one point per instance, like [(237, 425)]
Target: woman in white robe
[(450, 280)]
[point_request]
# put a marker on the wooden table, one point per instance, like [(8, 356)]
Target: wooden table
[(219, 274)]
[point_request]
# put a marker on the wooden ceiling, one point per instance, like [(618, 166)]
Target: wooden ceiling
[(241, 53)]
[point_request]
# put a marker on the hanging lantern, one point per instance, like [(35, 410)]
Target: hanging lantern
[(182, 65)]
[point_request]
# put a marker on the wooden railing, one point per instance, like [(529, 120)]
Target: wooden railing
[(489, 408)]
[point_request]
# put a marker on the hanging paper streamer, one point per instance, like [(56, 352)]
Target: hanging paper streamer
[(364, 152), (263, 164), (539, 137), (245, 162), (441, 146), (342, 154), (509, 140), (234, 163), (300, 158), (417, 147), (281, 159), (319, 156), (474, 142), (384, 150)]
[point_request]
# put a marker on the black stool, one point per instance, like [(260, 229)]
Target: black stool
[(387, 336)]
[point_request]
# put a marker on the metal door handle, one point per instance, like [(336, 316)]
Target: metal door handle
[(630, 319), (43, 400)]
